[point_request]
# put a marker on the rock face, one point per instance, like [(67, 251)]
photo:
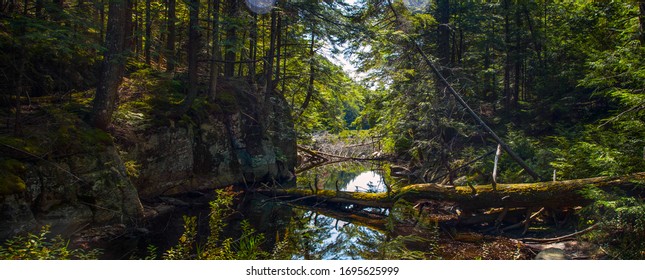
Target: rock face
[(87, 178), (71, 192), (249, 138)]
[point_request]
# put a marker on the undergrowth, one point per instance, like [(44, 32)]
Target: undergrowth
[(41, 247), (621, 224), (246, 247)]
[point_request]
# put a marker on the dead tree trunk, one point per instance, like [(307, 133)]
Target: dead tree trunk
[(545, 194)]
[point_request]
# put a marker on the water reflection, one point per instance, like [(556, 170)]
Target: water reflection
[(320, 234), (368, 181), (348, 176), (322, 237)]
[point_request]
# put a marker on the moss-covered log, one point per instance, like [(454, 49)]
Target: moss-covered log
[(544, 194)]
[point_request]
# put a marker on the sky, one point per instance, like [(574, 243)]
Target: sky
[(339, 59)]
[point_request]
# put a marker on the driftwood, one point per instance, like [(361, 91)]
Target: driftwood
[(560, 238), (545, 194), (328, 156)]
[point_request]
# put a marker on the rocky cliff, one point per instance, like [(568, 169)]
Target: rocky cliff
[(64, 173), (245, 138)]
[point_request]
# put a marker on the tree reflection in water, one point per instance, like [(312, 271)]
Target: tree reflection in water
[(312, 235)]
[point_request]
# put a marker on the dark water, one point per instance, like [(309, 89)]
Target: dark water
[(302, 232), (290, 231)]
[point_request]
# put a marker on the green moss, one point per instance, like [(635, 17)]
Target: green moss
[(28, 145), (10, 181), (13, 165), (11, 184), (227, 101), (95, 136), (132, 168)]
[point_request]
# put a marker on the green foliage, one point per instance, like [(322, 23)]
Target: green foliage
[(152, 252), (245, 247), (215, 248), (185, 247), (147, 98), (621, 223), (41, 247), (335, 104), (47, 56), (132, 168), (533, 151), (248, 246), (601, 150)]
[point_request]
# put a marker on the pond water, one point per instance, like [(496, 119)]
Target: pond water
[(291, 230), (305, 232)]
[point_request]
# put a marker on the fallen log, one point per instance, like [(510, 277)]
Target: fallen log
[(544, 194)]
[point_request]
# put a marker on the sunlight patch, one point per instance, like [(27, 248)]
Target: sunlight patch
[(260, 6)]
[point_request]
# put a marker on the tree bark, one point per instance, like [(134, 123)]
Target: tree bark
[(271, 54), (443, 32), (641, 20), (231, 39), (170, 42), (38, 8), (545, 194), (101, 20), (113, 65), (215, 53), (312, 74), (148, 42), (278, 45), (193, 49), (253, 49), (507, 63)]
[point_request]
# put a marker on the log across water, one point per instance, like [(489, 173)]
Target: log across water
[(544, 194)]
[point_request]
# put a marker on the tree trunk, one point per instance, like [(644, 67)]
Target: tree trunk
[(277, 50), (38, 8), (253, 49), (284, 56), (271, 54), (193, 50), (443, 33), (170, 42), (148, 42), (57, 10), (139, 33), (545, 194), (231, 39), (101, 20), (446, 57), (507, 63), (517, 59), (641, 20), (243, 55), (215, 53), (312, 73), (113, 65)]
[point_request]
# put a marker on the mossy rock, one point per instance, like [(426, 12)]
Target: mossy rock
[(226, 101), (10, 181), (22, 144)]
